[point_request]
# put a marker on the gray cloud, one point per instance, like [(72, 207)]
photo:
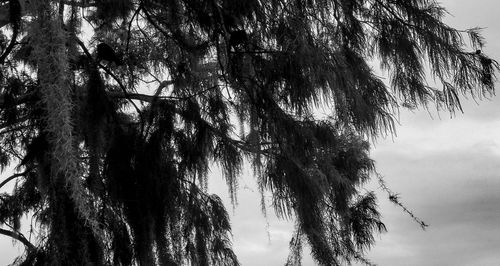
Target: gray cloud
[(447, 172), (454, 187)]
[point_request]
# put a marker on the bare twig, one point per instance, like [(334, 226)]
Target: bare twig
[(394, 198)]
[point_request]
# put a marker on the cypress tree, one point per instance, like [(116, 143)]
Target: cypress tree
[(113, 111)]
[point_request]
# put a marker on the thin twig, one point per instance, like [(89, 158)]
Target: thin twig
[(394, 198), (130, 26)]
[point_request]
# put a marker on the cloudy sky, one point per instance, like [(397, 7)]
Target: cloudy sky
[(446, 170)]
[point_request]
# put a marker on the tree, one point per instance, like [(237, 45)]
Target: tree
[(114, 110)]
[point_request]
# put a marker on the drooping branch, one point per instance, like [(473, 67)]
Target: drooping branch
[(19, 237), (12, 177)]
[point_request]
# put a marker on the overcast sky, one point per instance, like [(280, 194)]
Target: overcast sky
[(446, 170)]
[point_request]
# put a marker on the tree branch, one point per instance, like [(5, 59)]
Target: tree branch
[(152, 98), (17, 101), (12, 177), (19, 237), (120, 84), (130, 26), (15, 32)]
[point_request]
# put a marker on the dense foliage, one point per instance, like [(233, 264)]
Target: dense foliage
[(113, 111)]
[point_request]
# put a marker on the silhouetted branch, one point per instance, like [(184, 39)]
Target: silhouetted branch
[(12, 177), (19, 237), (151, 98), (10, 46)]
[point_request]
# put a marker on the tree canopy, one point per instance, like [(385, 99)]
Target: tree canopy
[(113, 111)]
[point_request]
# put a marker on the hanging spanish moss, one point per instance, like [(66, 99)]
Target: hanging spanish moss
[(68, 200), (114, 113)]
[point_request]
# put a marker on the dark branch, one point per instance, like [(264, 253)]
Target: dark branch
[(19, 237), (12, 177), (130, 26), (13, 41)]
